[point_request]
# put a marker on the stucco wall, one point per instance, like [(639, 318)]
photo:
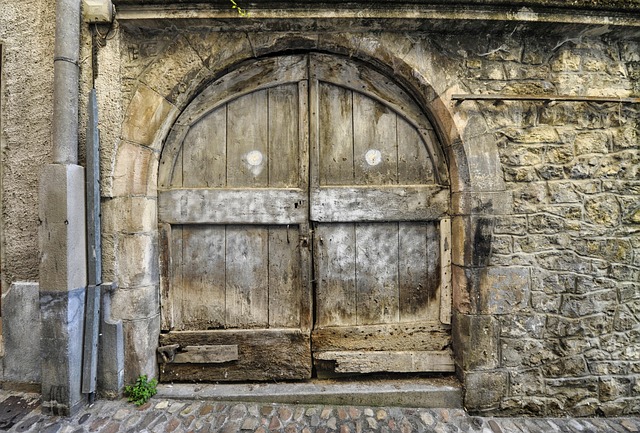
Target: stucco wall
[(26, 34)]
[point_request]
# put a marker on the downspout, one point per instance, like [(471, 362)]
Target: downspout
[(66, 71), (63, 262)]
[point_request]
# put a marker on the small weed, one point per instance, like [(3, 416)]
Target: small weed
[(140, 392)]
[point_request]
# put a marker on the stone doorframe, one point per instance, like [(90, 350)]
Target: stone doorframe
[(477, 185)]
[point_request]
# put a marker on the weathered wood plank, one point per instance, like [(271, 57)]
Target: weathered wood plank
[(175, 273), (247, 277), (375, 146), (166, 304), (335, 274), (212, 354), (335, 135), (414, 162), (285, 289), (202, 300), (263, 354), (376, 273), (433, 282), (402, 203), (262, 74), (413, 271), (204, 152), (247, 147), (396, 362), (283, 154), (395, 336), (228, 206), (445, 260)]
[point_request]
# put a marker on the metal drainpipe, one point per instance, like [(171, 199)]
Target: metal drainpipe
[(65, 82)]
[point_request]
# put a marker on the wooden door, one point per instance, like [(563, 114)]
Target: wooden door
[(291, 164), (233, 206), (379, 202)]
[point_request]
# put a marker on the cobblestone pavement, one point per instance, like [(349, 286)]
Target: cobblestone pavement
[(20, 412)]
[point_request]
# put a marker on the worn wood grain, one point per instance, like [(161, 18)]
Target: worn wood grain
[(263, 354), (166, 303), (283, 146), (335, 135), (285, 288), (413, 274), (375, 142), (175, 275), (401, 203), (210, 354), (202, 293), (394, 336), (445, 269), (335, 274), (247, 277), (228, 206), (247, 135), (396, 362), (414, 163), (204, 152), (376, 246)]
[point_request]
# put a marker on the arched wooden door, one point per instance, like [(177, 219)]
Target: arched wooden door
[(303, 210)]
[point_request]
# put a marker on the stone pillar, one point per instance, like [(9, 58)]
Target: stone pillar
[(63, 279)]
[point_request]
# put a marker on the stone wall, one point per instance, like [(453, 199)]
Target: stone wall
[(564, 317)]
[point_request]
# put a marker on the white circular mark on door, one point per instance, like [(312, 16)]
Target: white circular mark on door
[(254, 158), (373, 157)]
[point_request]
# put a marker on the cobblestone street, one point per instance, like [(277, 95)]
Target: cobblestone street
[(21, 412)]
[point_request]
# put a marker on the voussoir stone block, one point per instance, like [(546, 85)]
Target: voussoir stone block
[(146, 117), (485, 389)]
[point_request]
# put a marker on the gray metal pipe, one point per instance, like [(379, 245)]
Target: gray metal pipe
[(66, 81)]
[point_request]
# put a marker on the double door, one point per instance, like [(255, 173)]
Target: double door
[(303, 216)]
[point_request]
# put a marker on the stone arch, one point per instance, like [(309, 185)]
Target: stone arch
[(475, 175)]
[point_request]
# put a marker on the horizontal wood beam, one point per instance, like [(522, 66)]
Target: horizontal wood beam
[(380, 203), (544, 98), (394, 362), (233, 206)]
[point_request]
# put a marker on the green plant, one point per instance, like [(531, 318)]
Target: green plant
[(140, 392), (241, 11)]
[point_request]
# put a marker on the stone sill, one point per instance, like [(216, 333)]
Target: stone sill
[(402, 16)]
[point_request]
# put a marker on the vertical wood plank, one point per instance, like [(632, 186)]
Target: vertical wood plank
[(335, 274), (283, 154), (414, 163), (204, 150), (176, 177), (247, 132), (445, 257), (166, 304), (377, 273), (247, 278), (285, 291), (375, 148), (335, 125), (433, 269), (175, 272), (203, 277), (413, 273)]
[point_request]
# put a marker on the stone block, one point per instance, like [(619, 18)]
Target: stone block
[(485, 389), (570, 392), (589, 304), (477, 339), (564, 261), (485, 170), (135, 304), (176, 72), (132, 174), (524, 352), (591, 326), (140, 342), (591, 142), (482, 203), (62, 233), (546, 223), (62, 315), (526, 383), (137, 257), (21, 333), (471, 243), (522, 326), (529, 198), (614, 388), (129, 215), (148, 118), (110, 378), (565, 367), (503, 290), (510, 224)]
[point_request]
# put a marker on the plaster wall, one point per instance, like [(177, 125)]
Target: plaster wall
[(26, 35)]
